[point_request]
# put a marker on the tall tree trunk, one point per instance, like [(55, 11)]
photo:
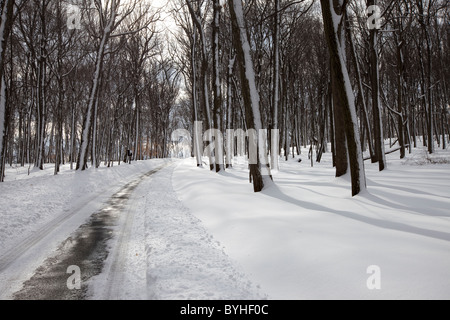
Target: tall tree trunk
[(136, 137), (218, 139), (344, 93), (401, 134), (94, 134), (41, 90), (88, 117), (375, 82), (332, 126), (276, 77), (230, 131), (204, 75), (428, 90), (4, 119), (361, 95), (6, 17), (249, 92), (72, 136), (197, 133), (340, 148)]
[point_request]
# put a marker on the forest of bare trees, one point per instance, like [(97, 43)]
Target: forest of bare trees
[(84, 81), (349, 73)]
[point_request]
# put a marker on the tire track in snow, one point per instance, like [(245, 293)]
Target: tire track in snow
[(124, 275), (87, 248), (18, 250)]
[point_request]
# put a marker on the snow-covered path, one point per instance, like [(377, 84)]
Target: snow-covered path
[(165, 253), (86, 248), (153, 246)]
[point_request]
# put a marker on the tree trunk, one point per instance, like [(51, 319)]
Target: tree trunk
[(41, 90), (196, 136), (340, 148), (376, 109), (344, 93), (276, 77), (6, 17), (428, 89), (230, 131), (249, 92), (218, 139), (204, 75), (88, 117), (401, 134), (361, 95)]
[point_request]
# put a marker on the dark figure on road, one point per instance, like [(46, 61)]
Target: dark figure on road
[(130, 155)]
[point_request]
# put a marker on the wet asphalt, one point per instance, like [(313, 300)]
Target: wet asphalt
[(87, 248)]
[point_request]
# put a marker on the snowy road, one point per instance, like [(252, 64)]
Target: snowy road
[(141, 243), (87, 248), (164, 253)]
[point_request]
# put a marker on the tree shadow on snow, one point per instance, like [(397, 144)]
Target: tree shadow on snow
[(274, 192)]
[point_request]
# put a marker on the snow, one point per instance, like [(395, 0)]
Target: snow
[(28, 202), (306, 238), (337, 19), (39, 211), (166, 253), (191, 234), (184, 260)]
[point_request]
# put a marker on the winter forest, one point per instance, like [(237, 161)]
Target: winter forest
[(340, 87), (84, 84)]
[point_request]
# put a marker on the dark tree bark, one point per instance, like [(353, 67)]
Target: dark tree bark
[(375, 83), (217, 110), (428, 90), (361, 96), (6, 18), (250, 94), (204, 82), (343, 92)]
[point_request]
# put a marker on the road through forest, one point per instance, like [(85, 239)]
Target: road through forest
[(141, 243), (87, 249)]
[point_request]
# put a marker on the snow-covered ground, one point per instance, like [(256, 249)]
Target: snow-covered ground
[(306, 238), (192, 234)]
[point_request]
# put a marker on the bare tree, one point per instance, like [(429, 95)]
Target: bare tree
[(111, 16), (249, 91), (196, 14), (375, 83), (6, 17), (217, 110), (334, 18)]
